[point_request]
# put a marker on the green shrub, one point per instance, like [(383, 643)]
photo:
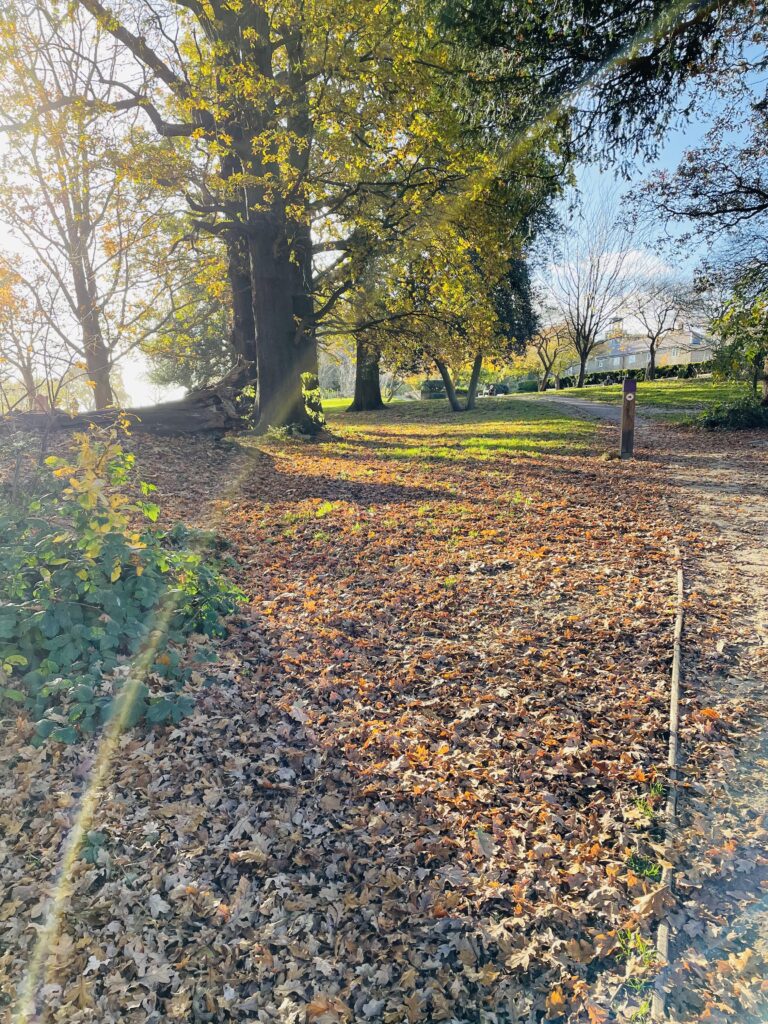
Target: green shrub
[(432, 389), (527, 386), (313, 401), (81, 585), (742, 414)]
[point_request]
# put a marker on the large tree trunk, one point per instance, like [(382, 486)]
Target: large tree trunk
[(285, 335), (544, 380), (367, 379), (243, 334), (473, 382)]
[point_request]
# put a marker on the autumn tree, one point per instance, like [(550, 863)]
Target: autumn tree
[(40, 371), (589, 279), (314, 130), (102, 243), (553, 350), (659, 304)]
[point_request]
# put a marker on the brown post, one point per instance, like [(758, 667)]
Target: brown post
[(629, 401)]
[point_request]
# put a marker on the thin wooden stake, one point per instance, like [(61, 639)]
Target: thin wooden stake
[(629, 402)]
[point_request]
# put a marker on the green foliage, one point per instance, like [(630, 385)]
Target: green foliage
[(644, 867), (743, 329), (82, 587), (527, 386), (313, 401), (432, 389), (633, 944), (742, 414)]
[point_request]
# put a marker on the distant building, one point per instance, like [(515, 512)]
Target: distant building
[(622, 350)]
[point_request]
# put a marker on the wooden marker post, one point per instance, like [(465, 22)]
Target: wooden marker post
[(629, 401)]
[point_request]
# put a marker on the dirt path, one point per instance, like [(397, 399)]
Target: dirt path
[(719, 485), (610, 412), (722, 926)]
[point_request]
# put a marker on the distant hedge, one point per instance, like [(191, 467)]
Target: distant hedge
[(681, 371)]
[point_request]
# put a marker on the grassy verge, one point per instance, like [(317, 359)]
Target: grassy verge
[(429, 430), (675, 394)]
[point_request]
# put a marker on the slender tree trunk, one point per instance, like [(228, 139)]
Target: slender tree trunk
[(650, 373), (544, 381), (764, 399), (367, 379), (583, 356), (450, 390), (98, 365), (97, 360), (30, 385), (473, 382)]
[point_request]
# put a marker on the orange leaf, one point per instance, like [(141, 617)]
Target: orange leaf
[(596, 1014)]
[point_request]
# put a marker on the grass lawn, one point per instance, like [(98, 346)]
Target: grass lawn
[(681, 394), (430, 430)]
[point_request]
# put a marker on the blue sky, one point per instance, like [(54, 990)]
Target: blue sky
[(607, 182)]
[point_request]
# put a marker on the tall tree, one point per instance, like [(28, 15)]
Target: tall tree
[(659, 306), (553, 349), (69, 197), (617, 71), (589, 280), (320, 125)]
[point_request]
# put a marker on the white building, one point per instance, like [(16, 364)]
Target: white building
[(621, 350)]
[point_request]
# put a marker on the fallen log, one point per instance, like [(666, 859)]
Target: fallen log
[(211, 409)]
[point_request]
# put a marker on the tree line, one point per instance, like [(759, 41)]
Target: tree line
[(225, 186)]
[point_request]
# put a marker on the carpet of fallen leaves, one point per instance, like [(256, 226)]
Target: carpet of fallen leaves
[(418, 783)]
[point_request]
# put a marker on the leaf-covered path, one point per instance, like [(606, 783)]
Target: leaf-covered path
[(421, 782)]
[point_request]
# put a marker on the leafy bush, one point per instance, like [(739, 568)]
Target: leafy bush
[(313, 401), (82, 586), (432, 389), (742, 414), (527, 386)]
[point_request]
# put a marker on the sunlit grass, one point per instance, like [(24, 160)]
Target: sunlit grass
[(430, 430), (682, 394)]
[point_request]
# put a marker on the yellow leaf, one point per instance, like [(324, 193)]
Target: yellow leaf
[(116, 573), (555, 1001)]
